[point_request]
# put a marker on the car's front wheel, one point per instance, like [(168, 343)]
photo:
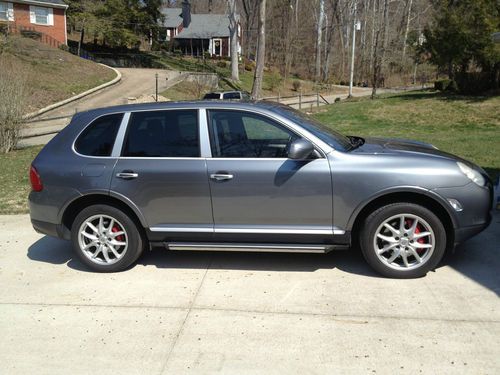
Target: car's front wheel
[(105, 238), (403, 240)]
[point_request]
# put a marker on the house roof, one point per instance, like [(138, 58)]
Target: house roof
[(172, 17), (205, 26), (51, 3)]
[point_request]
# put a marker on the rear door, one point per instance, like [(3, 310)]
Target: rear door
[(161, 172)]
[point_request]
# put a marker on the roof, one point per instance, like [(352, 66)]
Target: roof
[(172, 17), (197, 104), (51, 3), (205, 26)]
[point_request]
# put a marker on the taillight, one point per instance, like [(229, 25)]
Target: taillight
[(36, 181)]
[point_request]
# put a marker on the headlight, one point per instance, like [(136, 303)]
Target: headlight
[(472, 174)]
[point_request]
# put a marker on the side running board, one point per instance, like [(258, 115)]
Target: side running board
[(277, 248)]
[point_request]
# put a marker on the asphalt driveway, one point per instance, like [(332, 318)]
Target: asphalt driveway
[(244, 313)]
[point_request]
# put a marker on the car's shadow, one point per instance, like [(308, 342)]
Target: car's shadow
[(54, 251), (477, 259)]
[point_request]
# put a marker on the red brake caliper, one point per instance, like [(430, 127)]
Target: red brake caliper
[(420, 240), (409, 223), (117, 229)]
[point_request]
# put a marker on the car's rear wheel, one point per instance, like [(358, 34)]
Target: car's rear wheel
[(106, 239), (403, 240)]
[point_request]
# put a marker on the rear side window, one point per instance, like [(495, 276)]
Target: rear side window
[(171, 133), (99, 137)]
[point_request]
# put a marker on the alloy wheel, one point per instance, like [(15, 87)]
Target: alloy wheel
[(103, 239), (404, 242)]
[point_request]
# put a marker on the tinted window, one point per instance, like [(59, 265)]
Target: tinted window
[(163, 134), (99, 137), (232, 95), (212, 95), (247, 135)]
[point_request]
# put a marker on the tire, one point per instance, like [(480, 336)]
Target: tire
[(403, 254), (114, 248)]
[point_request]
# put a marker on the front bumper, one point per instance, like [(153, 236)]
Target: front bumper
[(477, 203), (464, 233)]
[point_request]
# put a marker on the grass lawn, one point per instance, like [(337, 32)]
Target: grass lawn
[(51, 74), (15, 186), (465, 126)]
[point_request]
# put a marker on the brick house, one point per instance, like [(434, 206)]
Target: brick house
[(195, 34), (44, 16)]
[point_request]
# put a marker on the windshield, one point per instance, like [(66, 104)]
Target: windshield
[(334, 139)]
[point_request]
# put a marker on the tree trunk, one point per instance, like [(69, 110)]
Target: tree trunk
[(319, 37), (405, 38), (261, 52), (233, 36)]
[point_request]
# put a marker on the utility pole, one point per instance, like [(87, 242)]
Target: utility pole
[(354, 26)]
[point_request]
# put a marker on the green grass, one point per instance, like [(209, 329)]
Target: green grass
[(465, 126), (15, 186)]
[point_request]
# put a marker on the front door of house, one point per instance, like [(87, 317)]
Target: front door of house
[(218, 47)]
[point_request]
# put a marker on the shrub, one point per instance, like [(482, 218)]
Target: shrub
[(337, 99), (274, 80), (31, 34), (296, 85), (248, 67), (12, 97), (476, 83), (441, 84), (452, 86), (221, 64)]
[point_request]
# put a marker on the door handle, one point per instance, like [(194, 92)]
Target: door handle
[(221, 176), (127, 175)]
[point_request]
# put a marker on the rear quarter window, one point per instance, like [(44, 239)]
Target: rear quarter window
[(98, 138)]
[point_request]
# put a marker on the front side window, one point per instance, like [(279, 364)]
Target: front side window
[(99, 137), (41, 15), (236, 134), (172, 133)]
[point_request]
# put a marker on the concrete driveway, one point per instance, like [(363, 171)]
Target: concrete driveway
[(244, 313)]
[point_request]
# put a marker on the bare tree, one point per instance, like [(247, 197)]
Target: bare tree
[(319, 37), (261, 51), (12, 101), (233, 36)]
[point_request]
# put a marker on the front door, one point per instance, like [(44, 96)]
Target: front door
[(161, 172), (217, 47), (258, 194)]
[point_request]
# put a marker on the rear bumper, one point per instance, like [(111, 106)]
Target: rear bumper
[(50, 229)]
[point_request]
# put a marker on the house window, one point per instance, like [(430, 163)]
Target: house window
[(6, 11), (41, 15)]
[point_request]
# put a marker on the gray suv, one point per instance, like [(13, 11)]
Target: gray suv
[(234, 176)]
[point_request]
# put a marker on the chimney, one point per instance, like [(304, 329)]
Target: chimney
[(186, 13)]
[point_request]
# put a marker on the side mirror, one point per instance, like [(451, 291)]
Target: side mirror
[(300, 149)]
